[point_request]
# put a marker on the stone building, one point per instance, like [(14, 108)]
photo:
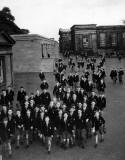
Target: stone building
[(31, 50), (111, 39), (83, 38), (64, 40), (94, 40), (6, 60)]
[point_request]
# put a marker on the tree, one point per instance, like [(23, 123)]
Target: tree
[(7, 23), (5, 14), (25, 31)]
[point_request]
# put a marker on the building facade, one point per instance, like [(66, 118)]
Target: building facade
[(111, 39), (6, 60), (94, 40), (83, 39), (30, 50), (64, 40)]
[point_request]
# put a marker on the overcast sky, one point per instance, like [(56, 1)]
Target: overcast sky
[(45, 17)]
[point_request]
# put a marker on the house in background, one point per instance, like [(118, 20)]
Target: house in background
[(111, 39), (31, 50), (96, 40), (32, 53), (83, 39), (64, 40), (6, 60)]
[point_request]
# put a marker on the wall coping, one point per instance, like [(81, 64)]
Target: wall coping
[(31, 37)]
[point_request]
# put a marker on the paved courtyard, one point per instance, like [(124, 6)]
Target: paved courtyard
[(113, 147)]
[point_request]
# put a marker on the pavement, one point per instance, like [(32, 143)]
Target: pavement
[(113, 147)]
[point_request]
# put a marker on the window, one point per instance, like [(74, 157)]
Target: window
[(123, 39), (123, 34), (114, 39), (102, 40), (85, 42), (1, 70)]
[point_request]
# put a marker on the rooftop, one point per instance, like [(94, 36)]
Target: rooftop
[(81, 26), (31, 37), (64, 30)]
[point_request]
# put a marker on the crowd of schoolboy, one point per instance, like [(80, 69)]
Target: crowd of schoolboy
[(71, 116)]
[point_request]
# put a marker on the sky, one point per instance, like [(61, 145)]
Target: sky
[(45, 17)]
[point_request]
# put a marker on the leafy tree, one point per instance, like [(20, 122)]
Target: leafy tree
[(7, 23), (25, 31), (5, 14)]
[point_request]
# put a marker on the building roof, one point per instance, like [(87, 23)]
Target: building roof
[(85, 26), (64, 31), (6, 39), (9, 27), (30, 37), (111, 27)]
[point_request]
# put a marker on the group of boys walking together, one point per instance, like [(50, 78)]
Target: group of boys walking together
[(73, 115)]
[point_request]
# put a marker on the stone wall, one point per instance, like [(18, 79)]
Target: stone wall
[(26, 56), (47, 65), (30, 50)]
